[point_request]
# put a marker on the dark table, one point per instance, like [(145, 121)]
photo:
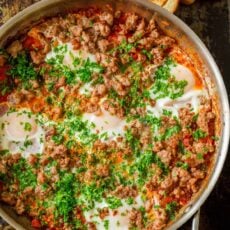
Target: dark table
[(210, 20)]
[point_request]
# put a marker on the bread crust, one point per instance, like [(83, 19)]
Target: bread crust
[(159, 2), (171, 5)]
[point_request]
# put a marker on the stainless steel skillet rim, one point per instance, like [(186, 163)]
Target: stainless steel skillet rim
[(223, 147)]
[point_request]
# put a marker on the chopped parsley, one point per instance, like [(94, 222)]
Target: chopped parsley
[(133, 142), (147, 54), (143, 165), (58, 139), (166, 85), (167, 112), (200, 156), (130, 201), (82, 69), (113, 202), (123, 48), (64, 196), (182, 165), (106, 224), (198, 134), (24, 174), (4, 152), (171, 209), (27, 126), (23, 69), (169, 132), (181, 147)]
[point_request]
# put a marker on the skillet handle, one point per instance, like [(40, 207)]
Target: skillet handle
[(196, 221)]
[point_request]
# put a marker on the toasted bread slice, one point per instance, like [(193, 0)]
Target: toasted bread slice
[(187, 2), (171, 5), (159, 2)]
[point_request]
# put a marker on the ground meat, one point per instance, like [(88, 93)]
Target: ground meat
[(99, 145), (102, 28), (20, 208), (41, 177), (165, 41), (41, 192), (103, 213), (203, 120), (56, 112), (153, 183), (50, 131), (186, 116), (55, 150), (165, 156), (180, 175), (135, 219), (109, 62), (91, 226), (167, 183), (52, 31), (103, 170), (84, 22), (3, 109), (106, 17), (15, 98), (159, 221), (37, 57), (3, 168), (158, 146), (14, 48), (120, 84), (103, 45), (125, 191), (9, 198), (113, 108), (131, 22), (2, 60), (76, 30), (158, 55), (100, 90), (152, 24)]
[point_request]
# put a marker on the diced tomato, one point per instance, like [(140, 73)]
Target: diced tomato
[(32, 43), (35, 223), (112, 37), (119, 157), (3, 71), (129, 35), (207, 157), (207, 140), (183, 200), (1, 185), (166, 200), (122, 18), (3, 98), (134, 56), (186, 140)]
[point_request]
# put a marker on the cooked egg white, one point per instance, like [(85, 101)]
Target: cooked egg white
[(191, 94), (106, 123), (70, 54), (20, 133), (119, 221)]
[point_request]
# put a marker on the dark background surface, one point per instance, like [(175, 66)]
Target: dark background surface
[(210, 21)]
